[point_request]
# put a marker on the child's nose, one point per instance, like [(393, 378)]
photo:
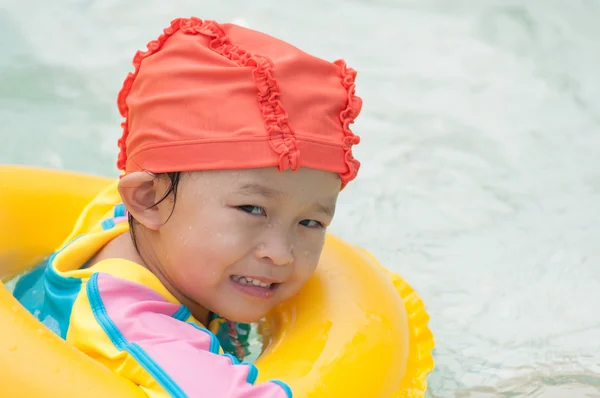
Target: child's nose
[(276, 248)]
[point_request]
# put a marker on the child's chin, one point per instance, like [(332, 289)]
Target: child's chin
[(250, 318), (242, 315)]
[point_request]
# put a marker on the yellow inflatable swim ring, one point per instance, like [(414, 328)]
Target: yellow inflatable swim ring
[(355, 330)]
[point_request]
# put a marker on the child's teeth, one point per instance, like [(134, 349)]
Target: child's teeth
[(244, 280)]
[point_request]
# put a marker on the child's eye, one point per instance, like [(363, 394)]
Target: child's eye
[(254, 210), (312, 223)]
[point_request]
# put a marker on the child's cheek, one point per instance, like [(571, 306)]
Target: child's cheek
[(307, 263)]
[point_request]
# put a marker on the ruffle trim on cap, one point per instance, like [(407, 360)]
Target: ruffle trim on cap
[(347, 116), (281, 135), (153, 47)]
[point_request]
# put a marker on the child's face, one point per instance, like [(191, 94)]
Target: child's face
[(233, 230)]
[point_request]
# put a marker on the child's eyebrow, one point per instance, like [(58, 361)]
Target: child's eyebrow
[(327, 209), (258, 189)]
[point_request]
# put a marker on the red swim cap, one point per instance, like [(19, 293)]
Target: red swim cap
[(208, 96)]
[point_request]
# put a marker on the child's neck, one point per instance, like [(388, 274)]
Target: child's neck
[(146, 258), (122, 247)]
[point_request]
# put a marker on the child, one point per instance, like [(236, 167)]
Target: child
[(235, 146)]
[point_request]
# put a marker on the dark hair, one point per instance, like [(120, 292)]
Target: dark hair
[(172, 189)]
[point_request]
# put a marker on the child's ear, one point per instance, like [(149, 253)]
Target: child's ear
[(138, 191)]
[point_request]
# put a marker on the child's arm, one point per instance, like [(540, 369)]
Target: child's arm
[(142, 337)]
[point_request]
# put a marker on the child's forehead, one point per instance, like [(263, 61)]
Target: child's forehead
[(270, 182)]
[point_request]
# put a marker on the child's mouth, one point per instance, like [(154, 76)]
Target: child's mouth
[(246, 280), (255, 287)]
